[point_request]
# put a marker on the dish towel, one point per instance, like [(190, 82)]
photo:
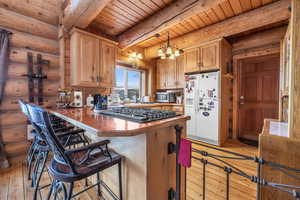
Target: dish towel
[(185, 153)]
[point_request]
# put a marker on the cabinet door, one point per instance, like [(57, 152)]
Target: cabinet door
[(108, 62), (170, 74), (161, 74), (191, 60), (209, 56), (84, 60), (180, 81)]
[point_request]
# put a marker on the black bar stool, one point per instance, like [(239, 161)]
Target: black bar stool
[(68, 166), (39, 150)]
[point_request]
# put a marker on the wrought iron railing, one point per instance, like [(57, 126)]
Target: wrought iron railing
[(223, 162)]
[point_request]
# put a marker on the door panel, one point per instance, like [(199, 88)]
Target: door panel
[(209, 57), (161, 75), (180, 71), (191, 60), (170, 74), (107, 69), (259, 90), (89, 60)]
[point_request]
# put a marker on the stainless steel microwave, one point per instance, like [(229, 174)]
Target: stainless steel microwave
[(166, 97)]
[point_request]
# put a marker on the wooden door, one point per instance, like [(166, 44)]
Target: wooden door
[(191, 60), (259, 94), (85, 60), (170, 74), (209, 56), (180, 81), (108, 63), (161, 74)]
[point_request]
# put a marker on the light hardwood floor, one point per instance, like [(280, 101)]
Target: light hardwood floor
[(15, 186)]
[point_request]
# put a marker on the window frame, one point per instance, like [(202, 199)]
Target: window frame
[(141, 85)]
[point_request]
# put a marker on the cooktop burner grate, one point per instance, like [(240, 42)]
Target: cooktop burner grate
[(138, 114)]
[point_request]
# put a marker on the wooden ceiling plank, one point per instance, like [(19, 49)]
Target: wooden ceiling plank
[(219, 12), (159, 3), (118, 15), (205, 18), (192, 23), (123, 12), (196, 22), (134, 7), (256, 3), (128, 9), (187, 25), (106, 16), (246, 5), (163, 19), (212, 15), (151, 5), (227, 9), (83, 12), (143, 6), (236, 6), (200, 20), (264, 2), (266, 15)]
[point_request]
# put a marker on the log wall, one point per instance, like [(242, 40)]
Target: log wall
[(34, 30)]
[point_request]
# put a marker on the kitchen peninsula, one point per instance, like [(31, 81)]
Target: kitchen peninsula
[(149, 171)]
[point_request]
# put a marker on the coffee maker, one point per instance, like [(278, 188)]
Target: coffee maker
[(100, 102)]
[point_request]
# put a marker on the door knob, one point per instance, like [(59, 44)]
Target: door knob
[(242, 97)]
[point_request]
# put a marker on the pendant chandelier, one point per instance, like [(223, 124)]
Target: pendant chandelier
[(168, 51)]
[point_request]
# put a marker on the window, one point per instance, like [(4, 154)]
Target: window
[(128, 84)]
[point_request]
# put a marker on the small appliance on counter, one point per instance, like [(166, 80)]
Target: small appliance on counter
[(90, 101), (145, 99), (78, 99), (167, 97), (64, 98), (100, 103)]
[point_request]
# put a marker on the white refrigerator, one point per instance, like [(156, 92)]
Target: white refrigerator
[(202, 103)]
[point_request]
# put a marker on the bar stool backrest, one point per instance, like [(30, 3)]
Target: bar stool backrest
[(41, 121)]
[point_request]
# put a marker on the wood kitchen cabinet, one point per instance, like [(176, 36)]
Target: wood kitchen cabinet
[(93, 60), (107, 70), (191, 60), (170, 73), (161, 74), (180, 80), (205, 57)]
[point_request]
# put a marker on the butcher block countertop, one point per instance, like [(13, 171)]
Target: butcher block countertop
[(108, 126)]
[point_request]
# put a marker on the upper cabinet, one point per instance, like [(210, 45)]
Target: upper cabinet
[(205, 57), (191, 60), (170, 73), (93, 60)]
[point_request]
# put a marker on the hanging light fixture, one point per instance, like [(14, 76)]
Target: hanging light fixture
[(168, 51), (134, 58)]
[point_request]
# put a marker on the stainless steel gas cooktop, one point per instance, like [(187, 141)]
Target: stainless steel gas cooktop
[(138, 114)]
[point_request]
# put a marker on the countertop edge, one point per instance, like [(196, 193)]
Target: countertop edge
[(125, 133)]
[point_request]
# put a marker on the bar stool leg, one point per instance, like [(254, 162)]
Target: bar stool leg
[(29, 164), (37, 184), (35, 168), (120, 180), (70, 191), (98, 185), (50, 190)]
